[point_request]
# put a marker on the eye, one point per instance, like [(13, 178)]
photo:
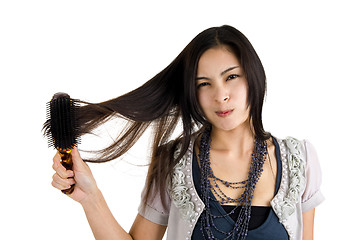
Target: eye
[(203, 84), (232, 76)]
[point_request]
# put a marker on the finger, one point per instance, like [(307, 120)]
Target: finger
[(56, 161), (59, 187), (62, 183), (60, 169), (56, 157)]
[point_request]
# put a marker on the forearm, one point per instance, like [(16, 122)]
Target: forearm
[(308, 224), (102, 221)]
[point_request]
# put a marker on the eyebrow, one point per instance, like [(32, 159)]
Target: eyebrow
[(222, 73)]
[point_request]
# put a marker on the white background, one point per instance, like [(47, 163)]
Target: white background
[(97, 50)]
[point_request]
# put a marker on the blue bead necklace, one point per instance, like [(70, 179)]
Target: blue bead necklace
[(240, 229)]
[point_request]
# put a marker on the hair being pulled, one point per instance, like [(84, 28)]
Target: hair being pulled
[(169, 98)]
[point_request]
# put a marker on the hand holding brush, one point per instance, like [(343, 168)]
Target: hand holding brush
[(81, 178)]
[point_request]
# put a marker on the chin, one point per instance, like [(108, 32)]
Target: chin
[(231, 126), (226, 128)]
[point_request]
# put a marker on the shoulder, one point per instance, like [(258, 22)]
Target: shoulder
[(298, 150), (299, 156), (293, 149), (181, 146), (292, 145), (302, 169)]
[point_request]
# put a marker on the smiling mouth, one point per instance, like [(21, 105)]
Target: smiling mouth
[(224, 113)]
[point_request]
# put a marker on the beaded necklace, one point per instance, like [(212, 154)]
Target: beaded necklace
[(240, 229)]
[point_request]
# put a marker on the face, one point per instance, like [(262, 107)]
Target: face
[(222, 89)]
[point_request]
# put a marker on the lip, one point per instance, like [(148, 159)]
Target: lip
[(224, 113)]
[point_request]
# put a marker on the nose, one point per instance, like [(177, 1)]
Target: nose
[(222, 95)]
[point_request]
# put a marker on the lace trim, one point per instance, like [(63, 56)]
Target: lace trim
[(292, 185), (181, 198), (293, 180)]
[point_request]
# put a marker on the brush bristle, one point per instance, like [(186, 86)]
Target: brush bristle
[(61, 126)]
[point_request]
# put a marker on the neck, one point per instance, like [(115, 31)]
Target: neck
[(237, 141)]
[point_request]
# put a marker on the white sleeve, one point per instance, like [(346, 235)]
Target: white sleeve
[(312, 195), (153, 210)]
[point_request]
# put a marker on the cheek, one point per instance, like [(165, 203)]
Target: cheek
[(240, 94), (203, 100)]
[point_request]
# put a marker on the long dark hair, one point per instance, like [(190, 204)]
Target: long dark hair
[(170, 98)]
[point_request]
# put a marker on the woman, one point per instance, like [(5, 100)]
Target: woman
[(225, 177)]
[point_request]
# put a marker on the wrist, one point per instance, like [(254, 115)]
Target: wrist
[(92, 200)]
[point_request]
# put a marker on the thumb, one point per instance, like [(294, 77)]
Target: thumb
[(78, 162)]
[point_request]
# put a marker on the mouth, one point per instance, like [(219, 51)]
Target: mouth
[(224, 113)]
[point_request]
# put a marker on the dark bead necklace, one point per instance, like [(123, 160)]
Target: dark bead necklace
[(240, 229)]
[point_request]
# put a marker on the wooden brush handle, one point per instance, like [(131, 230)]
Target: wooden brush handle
[(67, 162)]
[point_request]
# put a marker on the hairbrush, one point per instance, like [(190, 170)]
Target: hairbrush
[(61, 128)]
